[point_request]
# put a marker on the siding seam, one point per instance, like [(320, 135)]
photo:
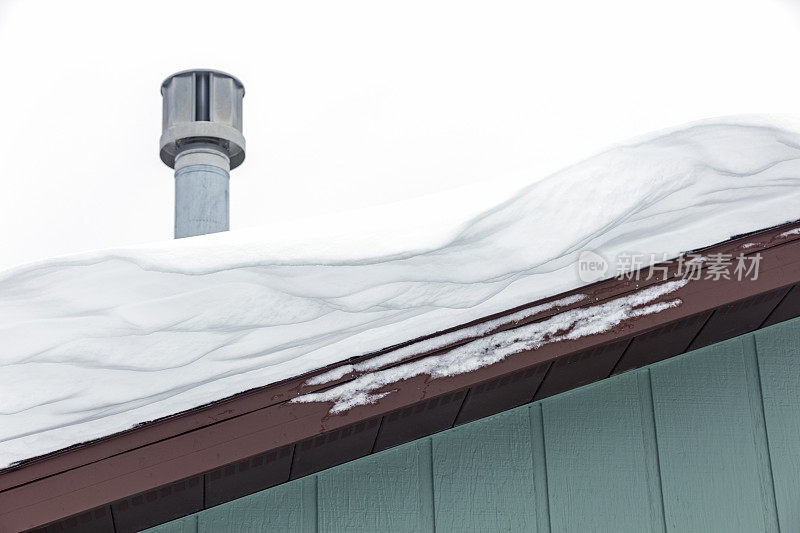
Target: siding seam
[(425, 462), (760, 435), (655, 488), (539, 459), (310, 507)]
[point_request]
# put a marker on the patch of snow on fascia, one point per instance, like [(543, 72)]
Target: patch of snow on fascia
[(331, 375), (440, 341), (748, 245), (795, 231), (569, 325)]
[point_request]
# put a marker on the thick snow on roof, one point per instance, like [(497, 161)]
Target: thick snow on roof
[(98, 342)]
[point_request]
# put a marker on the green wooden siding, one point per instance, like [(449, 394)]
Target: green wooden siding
[(484, 474), (708, 441), (596, 462)]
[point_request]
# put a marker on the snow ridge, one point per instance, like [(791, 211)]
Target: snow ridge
[(99, 342)]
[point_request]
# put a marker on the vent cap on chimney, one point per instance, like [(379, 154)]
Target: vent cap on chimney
[(202, 106)]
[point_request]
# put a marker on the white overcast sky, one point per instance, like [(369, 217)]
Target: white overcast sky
[(354, 104)]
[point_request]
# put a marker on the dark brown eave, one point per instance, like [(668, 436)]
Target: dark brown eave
[(258, 439)]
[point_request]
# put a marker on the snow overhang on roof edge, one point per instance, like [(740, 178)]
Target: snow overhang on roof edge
[(286, 430)]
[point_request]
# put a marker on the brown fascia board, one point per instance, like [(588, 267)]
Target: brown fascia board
[(214, 453)]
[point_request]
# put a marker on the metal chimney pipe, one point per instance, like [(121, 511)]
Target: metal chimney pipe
[(201, 138)]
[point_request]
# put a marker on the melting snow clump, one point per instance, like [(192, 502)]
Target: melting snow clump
[(568, 325)]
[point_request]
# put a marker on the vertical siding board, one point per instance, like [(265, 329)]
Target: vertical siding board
[(483, 475), (375, 493), (709, 465), (596, 469), (278, 509), (766, 483), (778, 350)]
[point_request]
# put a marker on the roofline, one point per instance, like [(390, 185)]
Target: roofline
[(202, 445)]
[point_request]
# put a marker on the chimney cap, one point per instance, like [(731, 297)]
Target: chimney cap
[(202, 106), (220, 73)]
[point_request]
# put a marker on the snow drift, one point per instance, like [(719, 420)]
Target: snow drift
[(97, 342)]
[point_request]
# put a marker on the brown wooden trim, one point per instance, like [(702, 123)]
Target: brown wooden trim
[(208, 438)]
